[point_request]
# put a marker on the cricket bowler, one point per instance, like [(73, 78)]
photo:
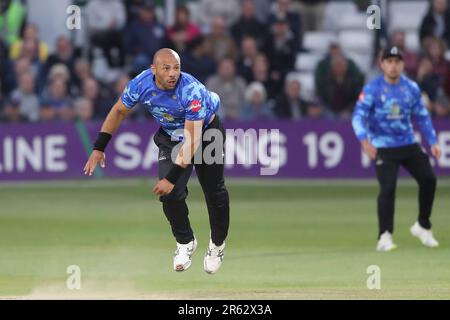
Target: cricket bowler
[(185, 111)]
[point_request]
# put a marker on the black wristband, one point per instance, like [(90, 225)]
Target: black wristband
[(175, 173), (102, 141)]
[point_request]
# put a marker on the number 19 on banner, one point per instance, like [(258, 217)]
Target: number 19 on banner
[(329, 145)]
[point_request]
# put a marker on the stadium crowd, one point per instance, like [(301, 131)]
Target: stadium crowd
[(245, 50)]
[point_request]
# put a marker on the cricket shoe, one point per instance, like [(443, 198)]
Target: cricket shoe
[(213, 257), (385, 243), (182, 257), (424, 235)]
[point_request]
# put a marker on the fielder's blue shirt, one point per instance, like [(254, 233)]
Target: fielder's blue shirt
[(189, 100), (384, 112)]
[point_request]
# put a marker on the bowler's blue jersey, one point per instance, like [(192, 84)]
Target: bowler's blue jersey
[(189, 100), (384, 111)]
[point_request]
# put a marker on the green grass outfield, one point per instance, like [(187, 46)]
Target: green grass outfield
[(288, 240)]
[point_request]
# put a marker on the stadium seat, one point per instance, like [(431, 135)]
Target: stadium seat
[(407, 15), (334, 11), (412, 41), (447, 55), (360, 41), (49, 29), (159, 11), (363, 61), (307, 61), (194, 10), (352, 20), (318, 41)]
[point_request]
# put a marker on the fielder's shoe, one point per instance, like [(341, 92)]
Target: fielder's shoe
[(182, 257), (213, 257), (425, 236), (385, 243)]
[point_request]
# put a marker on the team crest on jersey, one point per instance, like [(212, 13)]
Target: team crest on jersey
[(395, 112), (195, 106)]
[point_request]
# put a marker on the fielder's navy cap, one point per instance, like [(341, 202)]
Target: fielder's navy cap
[(392, 52)]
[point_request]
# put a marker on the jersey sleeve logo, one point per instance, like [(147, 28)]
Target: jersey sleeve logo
[(361, 96), (195, 106)]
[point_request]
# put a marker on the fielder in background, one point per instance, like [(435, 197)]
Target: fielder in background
[(382, 123)]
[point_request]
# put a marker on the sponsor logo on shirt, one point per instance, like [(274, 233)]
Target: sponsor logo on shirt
[(361, 96), (195, 106)]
